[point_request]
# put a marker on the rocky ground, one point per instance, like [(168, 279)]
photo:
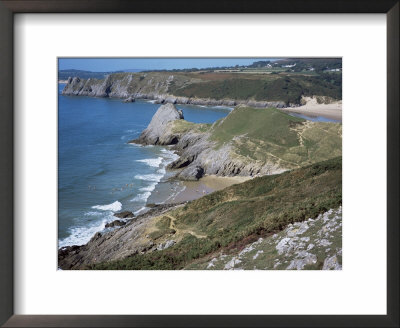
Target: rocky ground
[(114, 243), (309, 245)]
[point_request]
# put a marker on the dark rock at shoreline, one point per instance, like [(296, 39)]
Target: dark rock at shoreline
[(192, 173), (116, 223), (67, 250), (96, 236), (129, 100), (181, 162), (124, 215)]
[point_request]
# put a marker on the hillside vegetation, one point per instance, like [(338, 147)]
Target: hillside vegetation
[(238, 215), (270, 135), (270, 87)]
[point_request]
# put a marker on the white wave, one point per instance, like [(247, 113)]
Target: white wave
[(149, 177), (92, 213), (81, 235), (116, 206), (153, 162), (149, 188), (224, 107), (141, 197), (162, 171), (141, 146), (169, 155)]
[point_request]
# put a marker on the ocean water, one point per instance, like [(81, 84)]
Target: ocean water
[(98, 172)]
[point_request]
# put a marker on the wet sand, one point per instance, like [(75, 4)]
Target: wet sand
[(206, 185)]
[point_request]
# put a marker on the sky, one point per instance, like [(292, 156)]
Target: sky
[(119, 64)]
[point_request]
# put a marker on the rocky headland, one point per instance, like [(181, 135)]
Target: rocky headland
[(227, 149)]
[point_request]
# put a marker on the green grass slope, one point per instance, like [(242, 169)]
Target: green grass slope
[(269, 87), (270, 135), (236, 216)]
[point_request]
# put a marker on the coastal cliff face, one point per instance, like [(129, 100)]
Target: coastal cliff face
[(158, 86), (248, 142)]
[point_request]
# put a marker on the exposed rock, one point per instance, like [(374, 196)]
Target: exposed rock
[(289, 250), (231, 264), (129, 100), (192, 173), (96, 236), (331, 263), (124, 215), (116, 223), (211, 264), (306, 259), (166, 245), (157, 132)]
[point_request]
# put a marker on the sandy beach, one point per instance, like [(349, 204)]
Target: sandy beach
[(206, 185), (312, 108)]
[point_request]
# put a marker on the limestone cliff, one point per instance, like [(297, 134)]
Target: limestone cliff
[(158, 132)]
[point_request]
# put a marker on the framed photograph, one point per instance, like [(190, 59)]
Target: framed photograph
[(211, 164)]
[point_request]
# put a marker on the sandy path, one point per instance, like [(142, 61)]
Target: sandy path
[(172, 226)]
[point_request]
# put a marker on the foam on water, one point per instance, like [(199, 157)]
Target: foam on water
[(153, 162), (149, 188), (81, 235), (116, 206), (149, 177), (141, 197)]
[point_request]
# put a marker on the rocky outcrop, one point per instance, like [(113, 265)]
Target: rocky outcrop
[(129, 100), (158, 131), (308, 245), (116, 223), (198, 153), (124, 215)]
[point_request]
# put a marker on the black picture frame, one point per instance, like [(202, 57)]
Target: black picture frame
[(10, 7)]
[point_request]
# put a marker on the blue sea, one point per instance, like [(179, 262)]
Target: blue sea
[(99, 173)]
